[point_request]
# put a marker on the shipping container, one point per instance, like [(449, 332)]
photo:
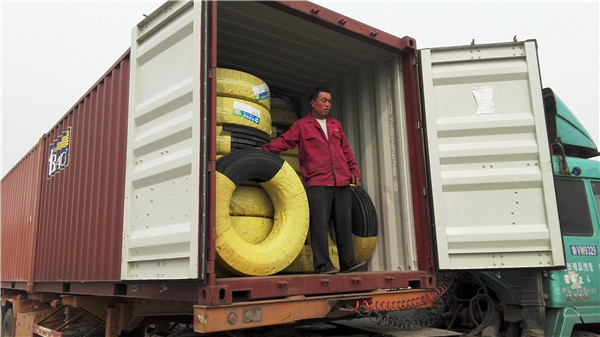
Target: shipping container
[(127, 196), (20, 190), (82, 190), (83, 246)]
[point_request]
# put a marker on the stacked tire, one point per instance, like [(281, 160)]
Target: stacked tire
[(243, 117), (262, 210), (282, 117)]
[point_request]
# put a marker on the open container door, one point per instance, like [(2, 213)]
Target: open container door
[(492, 187), (162, 188)]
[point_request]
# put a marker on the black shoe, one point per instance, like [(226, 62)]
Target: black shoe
[(328, 270), (357, 266)]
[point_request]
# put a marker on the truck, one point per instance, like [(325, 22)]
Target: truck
[(480, 196)]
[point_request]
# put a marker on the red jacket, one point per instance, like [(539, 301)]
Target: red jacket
[(322, 162)]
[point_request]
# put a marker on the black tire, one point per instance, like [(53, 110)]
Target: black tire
[(364, 216), (8, 323), (364, 224), (252, 164), (247, 133)]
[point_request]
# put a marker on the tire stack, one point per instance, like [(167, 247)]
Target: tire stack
[(243, 117), (262, 210), (262, 214), (282, 117)]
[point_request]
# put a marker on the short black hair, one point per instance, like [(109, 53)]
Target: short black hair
[(315, 92)]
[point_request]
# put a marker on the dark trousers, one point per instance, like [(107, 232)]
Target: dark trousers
[(327, 204)]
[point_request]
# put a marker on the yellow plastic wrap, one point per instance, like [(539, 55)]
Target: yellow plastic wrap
[(223, 141), (251, 201), (252, 229), (284, 242), (304, 261), (235, 111), (363, 247), (283, 117), (241, 85)]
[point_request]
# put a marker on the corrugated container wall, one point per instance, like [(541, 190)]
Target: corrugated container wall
[(82, 191), (20, 204)]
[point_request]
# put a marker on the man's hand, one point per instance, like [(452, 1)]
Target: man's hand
[(354, 180)]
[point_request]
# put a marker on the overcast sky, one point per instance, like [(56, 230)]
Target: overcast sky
[(53, 52)]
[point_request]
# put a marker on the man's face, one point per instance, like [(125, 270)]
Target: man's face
[(321, 105)]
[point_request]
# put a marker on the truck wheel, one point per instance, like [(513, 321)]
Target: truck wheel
[(8, 324), (291, 216)]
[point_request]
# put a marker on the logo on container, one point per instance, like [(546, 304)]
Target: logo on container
[(58, 158)]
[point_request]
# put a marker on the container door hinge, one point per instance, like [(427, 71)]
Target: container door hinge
[(212, 73), (415, 62), (420, 124), (425, 191)]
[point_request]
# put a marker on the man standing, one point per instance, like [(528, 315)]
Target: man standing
[(328, 167)]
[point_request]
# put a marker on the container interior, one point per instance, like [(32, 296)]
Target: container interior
[(293, 55)]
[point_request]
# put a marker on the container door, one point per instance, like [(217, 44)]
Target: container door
[(491, 173), (161, 217)]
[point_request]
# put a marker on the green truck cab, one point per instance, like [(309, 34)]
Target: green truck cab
[(573, 294)]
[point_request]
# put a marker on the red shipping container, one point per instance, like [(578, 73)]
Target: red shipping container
[(81, 210), (20, 204)]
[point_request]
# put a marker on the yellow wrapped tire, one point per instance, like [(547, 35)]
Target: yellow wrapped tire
[(291, 215), (240, 85), (283, 117), (232, 111), (253, 230), (251, 201)]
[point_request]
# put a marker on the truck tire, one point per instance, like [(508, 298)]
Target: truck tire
[(252, 229), (251, 201), (8, 323), (246, 133), (227, 144), (282, 117), (241, 85), (237, 112), (291, 216), (364, 224), (280, 100)]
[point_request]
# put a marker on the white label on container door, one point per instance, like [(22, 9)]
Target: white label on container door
[(484, 96), (246, 111), (261, 92)]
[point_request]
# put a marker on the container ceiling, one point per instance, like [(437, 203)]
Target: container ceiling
[(288, 52)]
